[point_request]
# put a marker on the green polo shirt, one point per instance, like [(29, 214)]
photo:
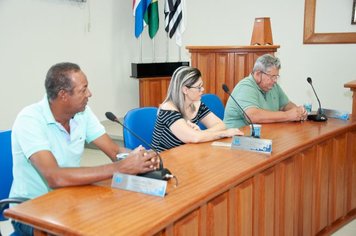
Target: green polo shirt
[(35, 129), (248, 94)]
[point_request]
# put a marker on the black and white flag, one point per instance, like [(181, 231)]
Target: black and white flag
[(174, 17)]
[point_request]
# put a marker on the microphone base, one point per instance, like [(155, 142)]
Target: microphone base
[(157, 174), (317, 117)]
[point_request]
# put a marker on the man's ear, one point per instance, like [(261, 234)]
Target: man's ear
[(62, 94)]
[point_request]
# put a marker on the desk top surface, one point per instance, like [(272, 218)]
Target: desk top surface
[(204, 171)]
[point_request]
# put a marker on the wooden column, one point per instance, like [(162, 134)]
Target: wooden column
[(352, 86), (153, 90)]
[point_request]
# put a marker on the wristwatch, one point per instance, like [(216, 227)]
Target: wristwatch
[(121, 156)]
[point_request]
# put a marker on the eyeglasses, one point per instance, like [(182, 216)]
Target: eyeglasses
[(271, 77), (199, 88)]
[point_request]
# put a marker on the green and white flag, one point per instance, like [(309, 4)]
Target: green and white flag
[(152, 19)]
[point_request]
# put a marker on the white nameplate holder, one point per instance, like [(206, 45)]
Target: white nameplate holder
[(139, 184), (252, 144)]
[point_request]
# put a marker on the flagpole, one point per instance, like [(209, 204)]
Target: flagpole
[(167, 48), (179, 53), (141, 48), (153, 50)]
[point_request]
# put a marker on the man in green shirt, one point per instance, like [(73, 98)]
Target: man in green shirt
[(261, 97)]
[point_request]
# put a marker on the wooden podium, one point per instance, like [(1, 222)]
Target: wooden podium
[(225, 64), (218, 65)]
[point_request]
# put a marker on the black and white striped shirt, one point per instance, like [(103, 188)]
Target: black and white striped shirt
[(163, 138)]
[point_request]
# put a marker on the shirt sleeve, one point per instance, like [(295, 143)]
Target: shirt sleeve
[(29, 133)]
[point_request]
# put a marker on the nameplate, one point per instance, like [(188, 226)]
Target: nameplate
[(336, 114), (139, 184), (252, 144)]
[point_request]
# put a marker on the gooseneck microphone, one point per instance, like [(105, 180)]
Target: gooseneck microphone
[(226, 90), (319, 116), (161, 173)]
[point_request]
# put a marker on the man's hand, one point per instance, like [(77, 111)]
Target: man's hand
[(139, 161), (297, 113)]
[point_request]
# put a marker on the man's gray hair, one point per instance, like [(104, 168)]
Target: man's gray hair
[(263, 63)]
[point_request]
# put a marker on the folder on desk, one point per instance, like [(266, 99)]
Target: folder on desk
[(343, 115)]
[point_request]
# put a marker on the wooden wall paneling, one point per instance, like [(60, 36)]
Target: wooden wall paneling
[(244, 208), (321, 186), (188, 225), (206, 64), (351, 164), (264, 202), (241, 69), (232, 205), (285, 197), (217, 215), (307, 161), (338, 193), (203, 219), (224, 73)]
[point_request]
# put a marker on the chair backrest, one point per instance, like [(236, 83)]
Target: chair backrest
[(141, 121), (215, 105), (5, 165)]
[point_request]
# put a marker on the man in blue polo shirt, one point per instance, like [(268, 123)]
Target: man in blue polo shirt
[(261, 97), (48, 141)]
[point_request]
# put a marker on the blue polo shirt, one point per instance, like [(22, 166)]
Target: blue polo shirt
[(35, 129), (248, 94)]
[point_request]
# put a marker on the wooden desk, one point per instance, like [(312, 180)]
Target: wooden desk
[(306, 186)]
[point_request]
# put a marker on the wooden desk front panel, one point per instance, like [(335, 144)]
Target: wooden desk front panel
[(304, 194)]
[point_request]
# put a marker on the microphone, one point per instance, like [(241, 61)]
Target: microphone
[(226, 90), (319, 116), (161, 173)]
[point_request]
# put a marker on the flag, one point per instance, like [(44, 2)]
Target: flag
[(151, 18), (174, 18), (139, 9)]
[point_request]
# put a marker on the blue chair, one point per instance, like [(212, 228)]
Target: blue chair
[(215, 105), (141, 121), (6, 173)]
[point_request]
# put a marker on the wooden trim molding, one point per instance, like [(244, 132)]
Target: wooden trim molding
[(310, 37)]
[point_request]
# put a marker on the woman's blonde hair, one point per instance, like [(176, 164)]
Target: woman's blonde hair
[(183, 76)]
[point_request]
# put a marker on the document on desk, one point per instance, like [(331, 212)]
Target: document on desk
[(252, 144), (139, 184)]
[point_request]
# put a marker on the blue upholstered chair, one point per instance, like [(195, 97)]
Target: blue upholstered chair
[(215, 105), (141, 121), (6, 173)]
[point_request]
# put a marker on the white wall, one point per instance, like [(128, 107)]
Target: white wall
[(98, 35)]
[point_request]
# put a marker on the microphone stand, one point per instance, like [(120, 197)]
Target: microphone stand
[(319, 116), (226, 90), (161, 173)]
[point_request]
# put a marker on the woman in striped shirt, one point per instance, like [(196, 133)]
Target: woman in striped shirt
[(181, 111)]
